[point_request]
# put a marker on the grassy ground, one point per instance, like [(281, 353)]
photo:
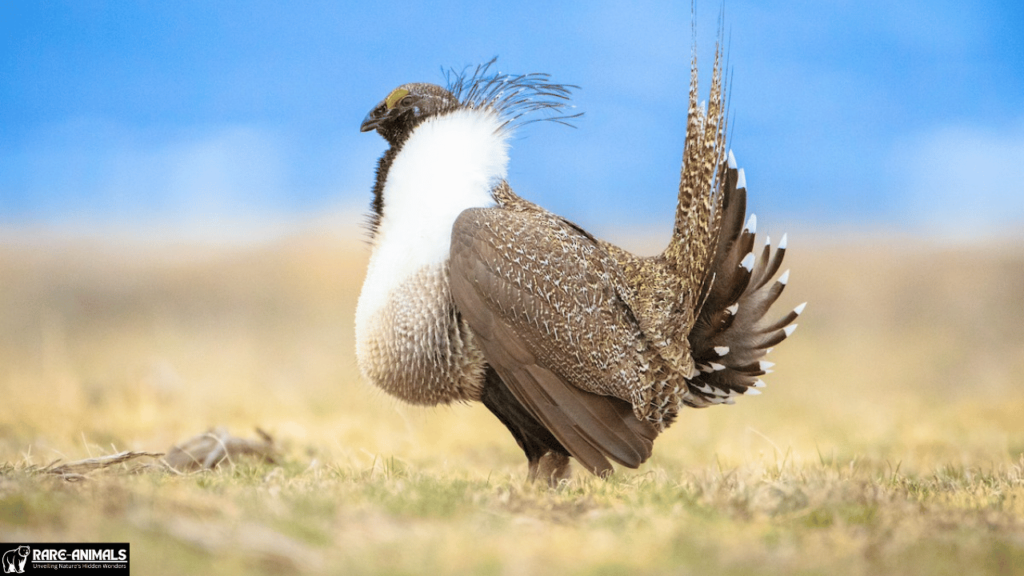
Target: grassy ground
[(889, 440)]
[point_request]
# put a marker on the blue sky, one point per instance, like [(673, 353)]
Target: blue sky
[(845, 114)]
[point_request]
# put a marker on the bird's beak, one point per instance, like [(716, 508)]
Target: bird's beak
[(372, 120), (376, 117)]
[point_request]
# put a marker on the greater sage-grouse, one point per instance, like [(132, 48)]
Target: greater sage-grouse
[(579, 347)]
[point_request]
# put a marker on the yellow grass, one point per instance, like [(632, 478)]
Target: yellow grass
[(889, 440)]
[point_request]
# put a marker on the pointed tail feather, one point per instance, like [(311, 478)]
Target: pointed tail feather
[(699, 211), (732, 334)]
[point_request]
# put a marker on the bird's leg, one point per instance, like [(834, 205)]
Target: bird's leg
[(532, 470), (546, 456), (552, 466)]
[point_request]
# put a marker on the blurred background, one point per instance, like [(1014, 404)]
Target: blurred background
[(867, 115), (182, 188)]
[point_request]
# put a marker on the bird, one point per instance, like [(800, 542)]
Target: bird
[(580, 348)]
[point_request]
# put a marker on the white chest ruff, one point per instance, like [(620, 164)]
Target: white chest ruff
[(448, 164)]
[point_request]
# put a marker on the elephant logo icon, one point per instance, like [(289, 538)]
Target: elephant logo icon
[(15, 560)]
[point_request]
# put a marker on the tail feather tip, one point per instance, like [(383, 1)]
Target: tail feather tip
[(751, 222)]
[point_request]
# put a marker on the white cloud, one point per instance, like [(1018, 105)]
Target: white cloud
[(94, 169), (962, 180), (217, 172)]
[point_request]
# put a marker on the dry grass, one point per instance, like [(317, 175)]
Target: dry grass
[(888, 441)]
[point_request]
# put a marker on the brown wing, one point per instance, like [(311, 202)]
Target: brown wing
[(539, 295)]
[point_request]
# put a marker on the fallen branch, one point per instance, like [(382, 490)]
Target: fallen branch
[(77, 470)]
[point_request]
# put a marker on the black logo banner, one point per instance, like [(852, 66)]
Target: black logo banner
[(43, 557)]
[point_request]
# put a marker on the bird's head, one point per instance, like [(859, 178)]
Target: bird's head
[(405, 107), (510, 96)]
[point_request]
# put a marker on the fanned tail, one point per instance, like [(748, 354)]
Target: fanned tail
[(732, 335)]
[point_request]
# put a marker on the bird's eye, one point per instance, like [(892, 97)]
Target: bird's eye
[(406, 102)]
